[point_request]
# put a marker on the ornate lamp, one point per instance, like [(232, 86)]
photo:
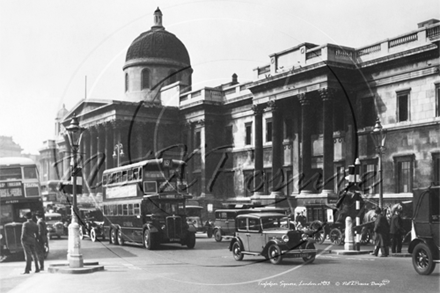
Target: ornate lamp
[(74, 256), (379, 136)]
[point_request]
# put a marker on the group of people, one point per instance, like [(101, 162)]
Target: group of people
[(388, 234), (34, 240)]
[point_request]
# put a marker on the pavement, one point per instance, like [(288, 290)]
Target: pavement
[(90, 267)]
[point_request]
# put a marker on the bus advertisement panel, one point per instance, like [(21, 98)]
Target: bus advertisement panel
[(19, 194), (145, 203)]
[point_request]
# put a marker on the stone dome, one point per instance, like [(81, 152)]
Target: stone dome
[(157, 44)]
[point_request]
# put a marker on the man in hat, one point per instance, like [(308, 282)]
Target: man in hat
[(29, 234), (381, 228), (41, 239)]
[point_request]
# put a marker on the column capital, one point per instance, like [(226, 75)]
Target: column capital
[(272, 105), (258, 110), (327, 94), (304, 99)]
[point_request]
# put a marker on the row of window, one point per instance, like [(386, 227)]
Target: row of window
[(172, 77), (130, 209), (368, 117), (131, 175)]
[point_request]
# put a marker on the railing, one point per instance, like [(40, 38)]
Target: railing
[(368, 50), (433, 33), (402, 40)]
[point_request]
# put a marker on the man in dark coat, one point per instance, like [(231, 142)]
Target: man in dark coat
[(396, 232), (41, 239), (29, 234), (381, 228)]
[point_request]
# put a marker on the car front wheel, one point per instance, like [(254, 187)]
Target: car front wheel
[(191, 240), (422, 259), (311, 257), (275, 255), (93, 234), (218, 235), (236, 251)]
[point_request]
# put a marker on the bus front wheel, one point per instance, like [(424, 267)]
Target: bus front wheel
[(149, 240), (113, 236)]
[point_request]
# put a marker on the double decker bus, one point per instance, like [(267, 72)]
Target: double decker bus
[(145, 203), (19, 194)]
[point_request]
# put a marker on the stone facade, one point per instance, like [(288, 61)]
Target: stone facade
[(292, 132)]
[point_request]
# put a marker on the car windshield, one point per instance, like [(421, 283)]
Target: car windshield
[(273, 222)]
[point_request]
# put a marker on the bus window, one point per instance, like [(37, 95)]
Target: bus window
[(130, 209), (30, 173), (135, 174), (10, 173), (150, 187), (6, 213), (136, 209), (130, 175), (140, 174), (119, 210), (113, 178), (118, 177), (124, 176), (113, 210), (125, 209)]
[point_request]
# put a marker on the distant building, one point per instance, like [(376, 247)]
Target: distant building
[(9, 148), (291, 133)]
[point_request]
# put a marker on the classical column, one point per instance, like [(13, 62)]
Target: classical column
[(327, 96), (258, 141), (93, 158), (277, 148), (109, 131), (306, 186), (86, 157), (203, 157), (101, 155)]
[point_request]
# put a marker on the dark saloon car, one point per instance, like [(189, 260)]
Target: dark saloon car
[(425, 243), (91, 224), (270, 235)]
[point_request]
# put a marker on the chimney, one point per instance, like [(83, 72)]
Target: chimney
[(234, 79)]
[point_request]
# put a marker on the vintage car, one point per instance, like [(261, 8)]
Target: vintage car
[(224, 225), (194, 217), (425, 246), (91, 224), (55, 225), (270, 235)]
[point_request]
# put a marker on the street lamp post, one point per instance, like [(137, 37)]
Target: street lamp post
[(74, 256), (118, 153), (379, 136)]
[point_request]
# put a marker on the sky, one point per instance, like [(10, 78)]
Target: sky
[(55, 53)]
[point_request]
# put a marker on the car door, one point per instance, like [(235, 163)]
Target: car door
[(242, 232), (255, 235)]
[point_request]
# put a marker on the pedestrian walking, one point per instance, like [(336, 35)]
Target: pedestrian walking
[(396, 232), (381, 229), (41, 239), (29, 233)]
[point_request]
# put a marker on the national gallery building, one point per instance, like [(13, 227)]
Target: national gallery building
[(290, 134)]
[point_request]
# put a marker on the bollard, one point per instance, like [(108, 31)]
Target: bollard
[(349, 243)]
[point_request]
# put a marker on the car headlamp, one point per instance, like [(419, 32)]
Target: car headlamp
[(304, 237), (285, 238)]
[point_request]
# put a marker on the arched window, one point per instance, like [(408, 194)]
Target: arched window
[(126, 82), (145, 79)]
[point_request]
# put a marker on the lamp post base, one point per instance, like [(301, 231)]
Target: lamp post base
[(74, 257)]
